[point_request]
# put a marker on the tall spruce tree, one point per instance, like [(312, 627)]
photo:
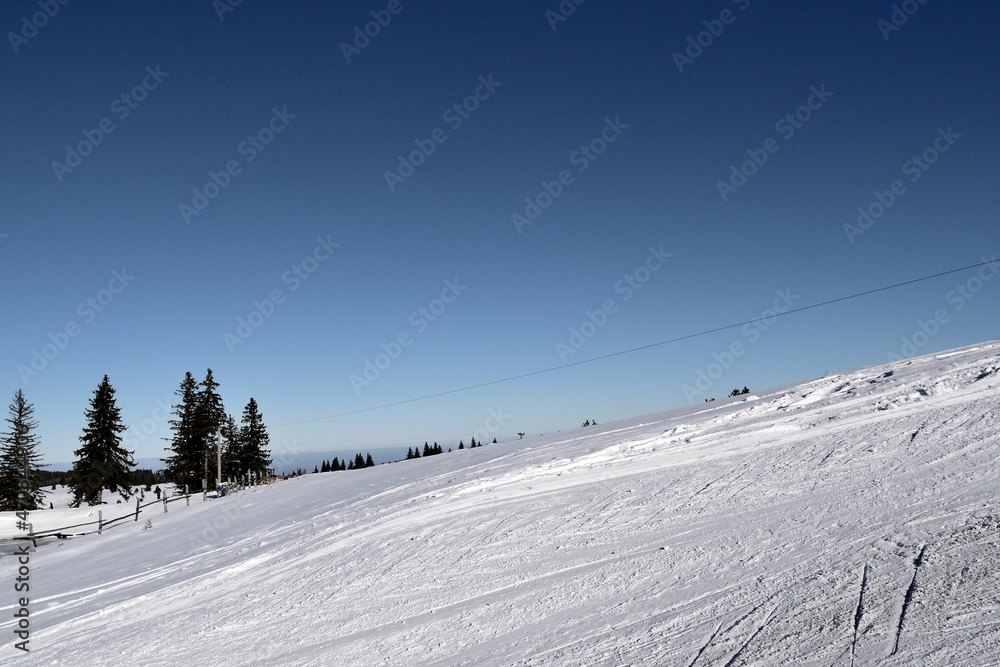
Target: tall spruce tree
[(20, 486), (101, 460), (254, 440), (210, 417), (198, 419), (182, 465), (232, 448)]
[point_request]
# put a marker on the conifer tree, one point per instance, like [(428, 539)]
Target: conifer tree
[(336, 464), (20, 486), (416, 452), (101, 460), (472, 443), (181, 467), (369, 462), (254, 440), (232, 450), (199, 417), (210, 416), (461, 445)]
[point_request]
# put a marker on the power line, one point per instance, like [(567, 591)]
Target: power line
[(637, 349)]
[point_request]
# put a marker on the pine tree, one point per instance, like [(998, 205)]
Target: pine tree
[(369, 462), (472, 443), (210, 416), (101, 460), (20, 486), (255, 440), (416, 452), (461, 445), (409, 453), (336, 464), (232, 449), (182, 466)]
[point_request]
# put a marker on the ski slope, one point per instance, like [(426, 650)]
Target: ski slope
[(852, 519)]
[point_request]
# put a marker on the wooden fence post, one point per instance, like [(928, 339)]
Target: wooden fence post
[(100, 522), (31, 537), (136, 509), (164, 503)]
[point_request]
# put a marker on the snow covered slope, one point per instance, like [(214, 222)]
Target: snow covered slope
[(850, 519)]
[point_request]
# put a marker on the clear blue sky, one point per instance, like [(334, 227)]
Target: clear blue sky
[(215, 159)]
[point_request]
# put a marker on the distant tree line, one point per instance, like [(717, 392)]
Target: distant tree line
[(359, 461)]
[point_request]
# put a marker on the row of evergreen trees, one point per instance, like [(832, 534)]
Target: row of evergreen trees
[(358, 463), (431, 450), (200, 421), (102, 463)]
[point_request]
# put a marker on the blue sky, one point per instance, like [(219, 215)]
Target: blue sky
[(199, 185)]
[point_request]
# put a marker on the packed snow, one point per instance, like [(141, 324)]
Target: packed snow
[(852, 519)]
